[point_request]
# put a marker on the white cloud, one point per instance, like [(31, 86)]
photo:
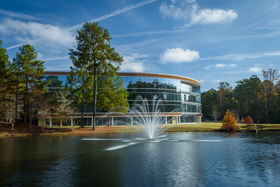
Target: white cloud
[(178, 55), (171, 10), (190, 1), (239, 57), (190, 11), (114, 13), (150, 33), (17, 15), (210, 16), (133, 63), (36, 33), (201, 81), (254, 69), (207, 67), (220, 65)]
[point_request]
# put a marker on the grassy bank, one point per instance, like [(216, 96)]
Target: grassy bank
[(22, 129)]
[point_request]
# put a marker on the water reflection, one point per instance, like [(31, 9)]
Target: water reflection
[(239, 160)]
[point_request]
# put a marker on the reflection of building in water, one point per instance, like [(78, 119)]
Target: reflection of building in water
[(178, 94)]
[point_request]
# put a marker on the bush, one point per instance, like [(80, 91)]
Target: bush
[(243, 120), (229, 122), (249, 120), (230, 128)]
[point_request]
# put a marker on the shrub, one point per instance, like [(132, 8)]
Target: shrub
[(243, 120), (249, 120), (229, 122)]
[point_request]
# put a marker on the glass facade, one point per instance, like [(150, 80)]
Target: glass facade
[(176, 95)]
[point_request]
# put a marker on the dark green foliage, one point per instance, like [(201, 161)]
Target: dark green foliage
[(249, 97), (29, 74), (209, 100), (5, 65), (93, 56), (112, 97), (54, 84)]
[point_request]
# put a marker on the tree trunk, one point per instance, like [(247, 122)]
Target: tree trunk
[(13, 124), (108, 118), (16, 105), (82, 115), (43, 124), (25, 105), (95, 98), (30, 120), (60, 124)]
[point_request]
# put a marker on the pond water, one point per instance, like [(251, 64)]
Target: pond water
[(197, 159)]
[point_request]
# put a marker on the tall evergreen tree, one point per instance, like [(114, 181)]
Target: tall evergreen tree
[(94, 52), (112, 97), (6, 81), (30, 72)]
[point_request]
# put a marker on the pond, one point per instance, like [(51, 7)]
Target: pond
[(179, 159)]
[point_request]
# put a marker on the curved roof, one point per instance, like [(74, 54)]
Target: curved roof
[(126, 74)]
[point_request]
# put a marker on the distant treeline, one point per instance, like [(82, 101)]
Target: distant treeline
[(254, 97)]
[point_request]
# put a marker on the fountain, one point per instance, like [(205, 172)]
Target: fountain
[(149, 122)]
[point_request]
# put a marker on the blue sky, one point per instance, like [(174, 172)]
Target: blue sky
[(210, 41)]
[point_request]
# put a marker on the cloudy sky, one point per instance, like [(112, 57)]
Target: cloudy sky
[(210, 41)]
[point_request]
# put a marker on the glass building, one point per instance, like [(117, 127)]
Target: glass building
[(180, 96)]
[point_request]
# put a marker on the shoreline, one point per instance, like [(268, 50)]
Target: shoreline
[(23, 130)]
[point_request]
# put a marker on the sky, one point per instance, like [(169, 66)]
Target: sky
[(210, 41)]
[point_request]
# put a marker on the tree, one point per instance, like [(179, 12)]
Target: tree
[(95, 53), (229, 122), (34, 105), (208, 100), (30, 72), (224, 96), (112, 97), (63, 108), (215, 114), (54, 84), (45, 104), (5, 76), (249, 120), (5, 66), (79, 81), (10, 111)]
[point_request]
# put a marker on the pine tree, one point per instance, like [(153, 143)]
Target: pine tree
[(112, 97), (30, 72), (5, 73), (78, 82), (94, 54)]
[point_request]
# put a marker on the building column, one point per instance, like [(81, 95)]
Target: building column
[(92, 121), (166, 120), (50, 122), (112, 121), (131, 121), (72, 122)]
